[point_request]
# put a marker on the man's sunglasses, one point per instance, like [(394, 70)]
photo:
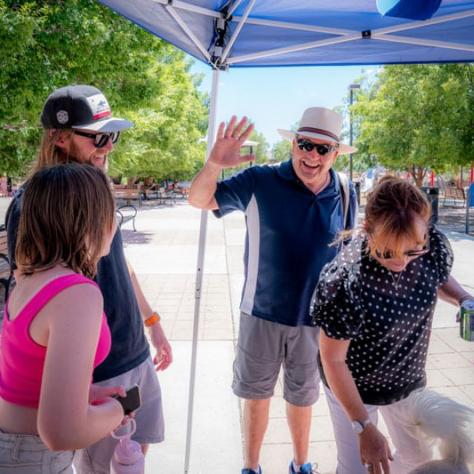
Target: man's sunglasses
[(100, 139), (321, 148), (387, 255)]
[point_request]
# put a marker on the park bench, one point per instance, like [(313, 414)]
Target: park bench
[(125, 214), (455, 195), (160, 194), (129, 193), (5, 270)]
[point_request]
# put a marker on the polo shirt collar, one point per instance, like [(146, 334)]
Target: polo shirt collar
[(286, 171)]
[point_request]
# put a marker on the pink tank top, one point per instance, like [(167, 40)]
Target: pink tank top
[(22, 359)]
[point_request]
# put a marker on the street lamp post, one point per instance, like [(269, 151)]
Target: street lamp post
[(351, 89)]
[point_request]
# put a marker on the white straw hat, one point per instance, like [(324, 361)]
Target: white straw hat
[(322, 123)]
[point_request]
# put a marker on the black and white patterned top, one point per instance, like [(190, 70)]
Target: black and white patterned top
[(387, 316)]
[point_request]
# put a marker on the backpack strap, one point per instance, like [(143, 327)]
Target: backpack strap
[(344, 187)]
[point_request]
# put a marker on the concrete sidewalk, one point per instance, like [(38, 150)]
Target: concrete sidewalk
[(163, 253)]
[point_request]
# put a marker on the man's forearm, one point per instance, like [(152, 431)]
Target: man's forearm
[(203, 187), (453, 292)]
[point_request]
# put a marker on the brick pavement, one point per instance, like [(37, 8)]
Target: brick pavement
[(164, 252), (166, 266)]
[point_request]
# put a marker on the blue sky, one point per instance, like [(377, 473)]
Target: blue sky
[(276, 97)]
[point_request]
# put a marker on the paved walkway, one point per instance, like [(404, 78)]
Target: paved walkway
[(163, 252)]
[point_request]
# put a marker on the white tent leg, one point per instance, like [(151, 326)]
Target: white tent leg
[(199, 273)]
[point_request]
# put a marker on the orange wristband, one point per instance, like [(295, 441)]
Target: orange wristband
[(154, 318)]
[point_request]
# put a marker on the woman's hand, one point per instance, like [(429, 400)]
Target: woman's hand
[(98, 394), (374, 450)]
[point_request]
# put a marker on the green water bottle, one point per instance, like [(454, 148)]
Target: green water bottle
[(466, 320)]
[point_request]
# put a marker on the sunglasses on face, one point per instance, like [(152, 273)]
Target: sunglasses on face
[(321, 148), (388, 254), (100, 139)]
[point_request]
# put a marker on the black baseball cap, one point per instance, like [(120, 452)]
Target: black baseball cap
[(80, 106)]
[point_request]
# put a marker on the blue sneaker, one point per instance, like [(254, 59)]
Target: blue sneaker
[(246, 470), (307, 468)]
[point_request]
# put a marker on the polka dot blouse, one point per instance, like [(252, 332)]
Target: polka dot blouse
[(387, 315)]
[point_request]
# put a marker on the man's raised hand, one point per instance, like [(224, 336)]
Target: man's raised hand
[(226, 150)]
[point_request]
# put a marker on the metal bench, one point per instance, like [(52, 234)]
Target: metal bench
[(5, 270), (129, 193), (126, 213), (160, 194), (454, 194)]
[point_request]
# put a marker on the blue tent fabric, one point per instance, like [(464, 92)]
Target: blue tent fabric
[(352, 30), (413, 9)]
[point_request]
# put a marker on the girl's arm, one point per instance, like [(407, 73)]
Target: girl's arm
[(66, 420)]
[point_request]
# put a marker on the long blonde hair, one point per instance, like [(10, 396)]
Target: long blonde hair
[(49, 153)]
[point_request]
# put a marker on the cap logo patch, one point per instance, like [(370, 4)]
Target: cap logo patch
[(63, 117), (100, 108)]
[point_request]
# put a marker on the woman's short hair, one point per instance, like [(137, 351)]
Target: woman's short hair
[(67, 213), (392, 213)]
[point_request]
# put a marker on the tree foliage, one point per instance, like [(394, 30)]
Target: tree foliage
[(48, 44), (418, 117), (261, 151), (281, 151)]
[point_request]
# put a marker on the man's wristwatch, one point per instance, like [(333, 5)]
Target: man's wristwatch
[(358, 426)]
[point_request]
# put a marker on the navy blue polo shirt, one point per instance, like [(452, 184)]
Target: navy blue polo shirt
[(289, 232)]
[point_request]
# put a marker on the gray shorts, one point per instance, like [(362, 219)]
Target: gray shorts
[(263, 347), (27, 454), (149, 417)]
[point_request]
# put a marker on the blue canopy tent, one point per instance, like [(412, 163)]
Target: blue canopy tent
[(265, 33)]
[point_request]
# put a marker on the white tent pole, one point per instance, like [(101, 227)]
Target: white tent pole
[(296, 26), (199, 272), (234, 7), (422, 24), (237, 30), (292, 49), (423, 42), (180, 5), (188, 31)]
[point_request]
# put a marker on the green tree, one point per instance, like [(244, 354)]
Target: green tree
[(48, 44), (261, 150), (418, 117), (281, 150)]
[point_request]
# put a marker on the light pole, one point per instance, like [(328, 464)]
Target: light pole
[(351, 100)]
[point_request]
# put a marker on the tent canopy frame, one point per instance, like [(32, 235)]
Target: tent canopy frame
[(221, 60)]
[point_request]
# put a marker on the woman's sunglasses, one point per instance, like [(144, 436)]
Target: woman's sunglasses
[(100, 139), (321, 148), (388, 254)]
